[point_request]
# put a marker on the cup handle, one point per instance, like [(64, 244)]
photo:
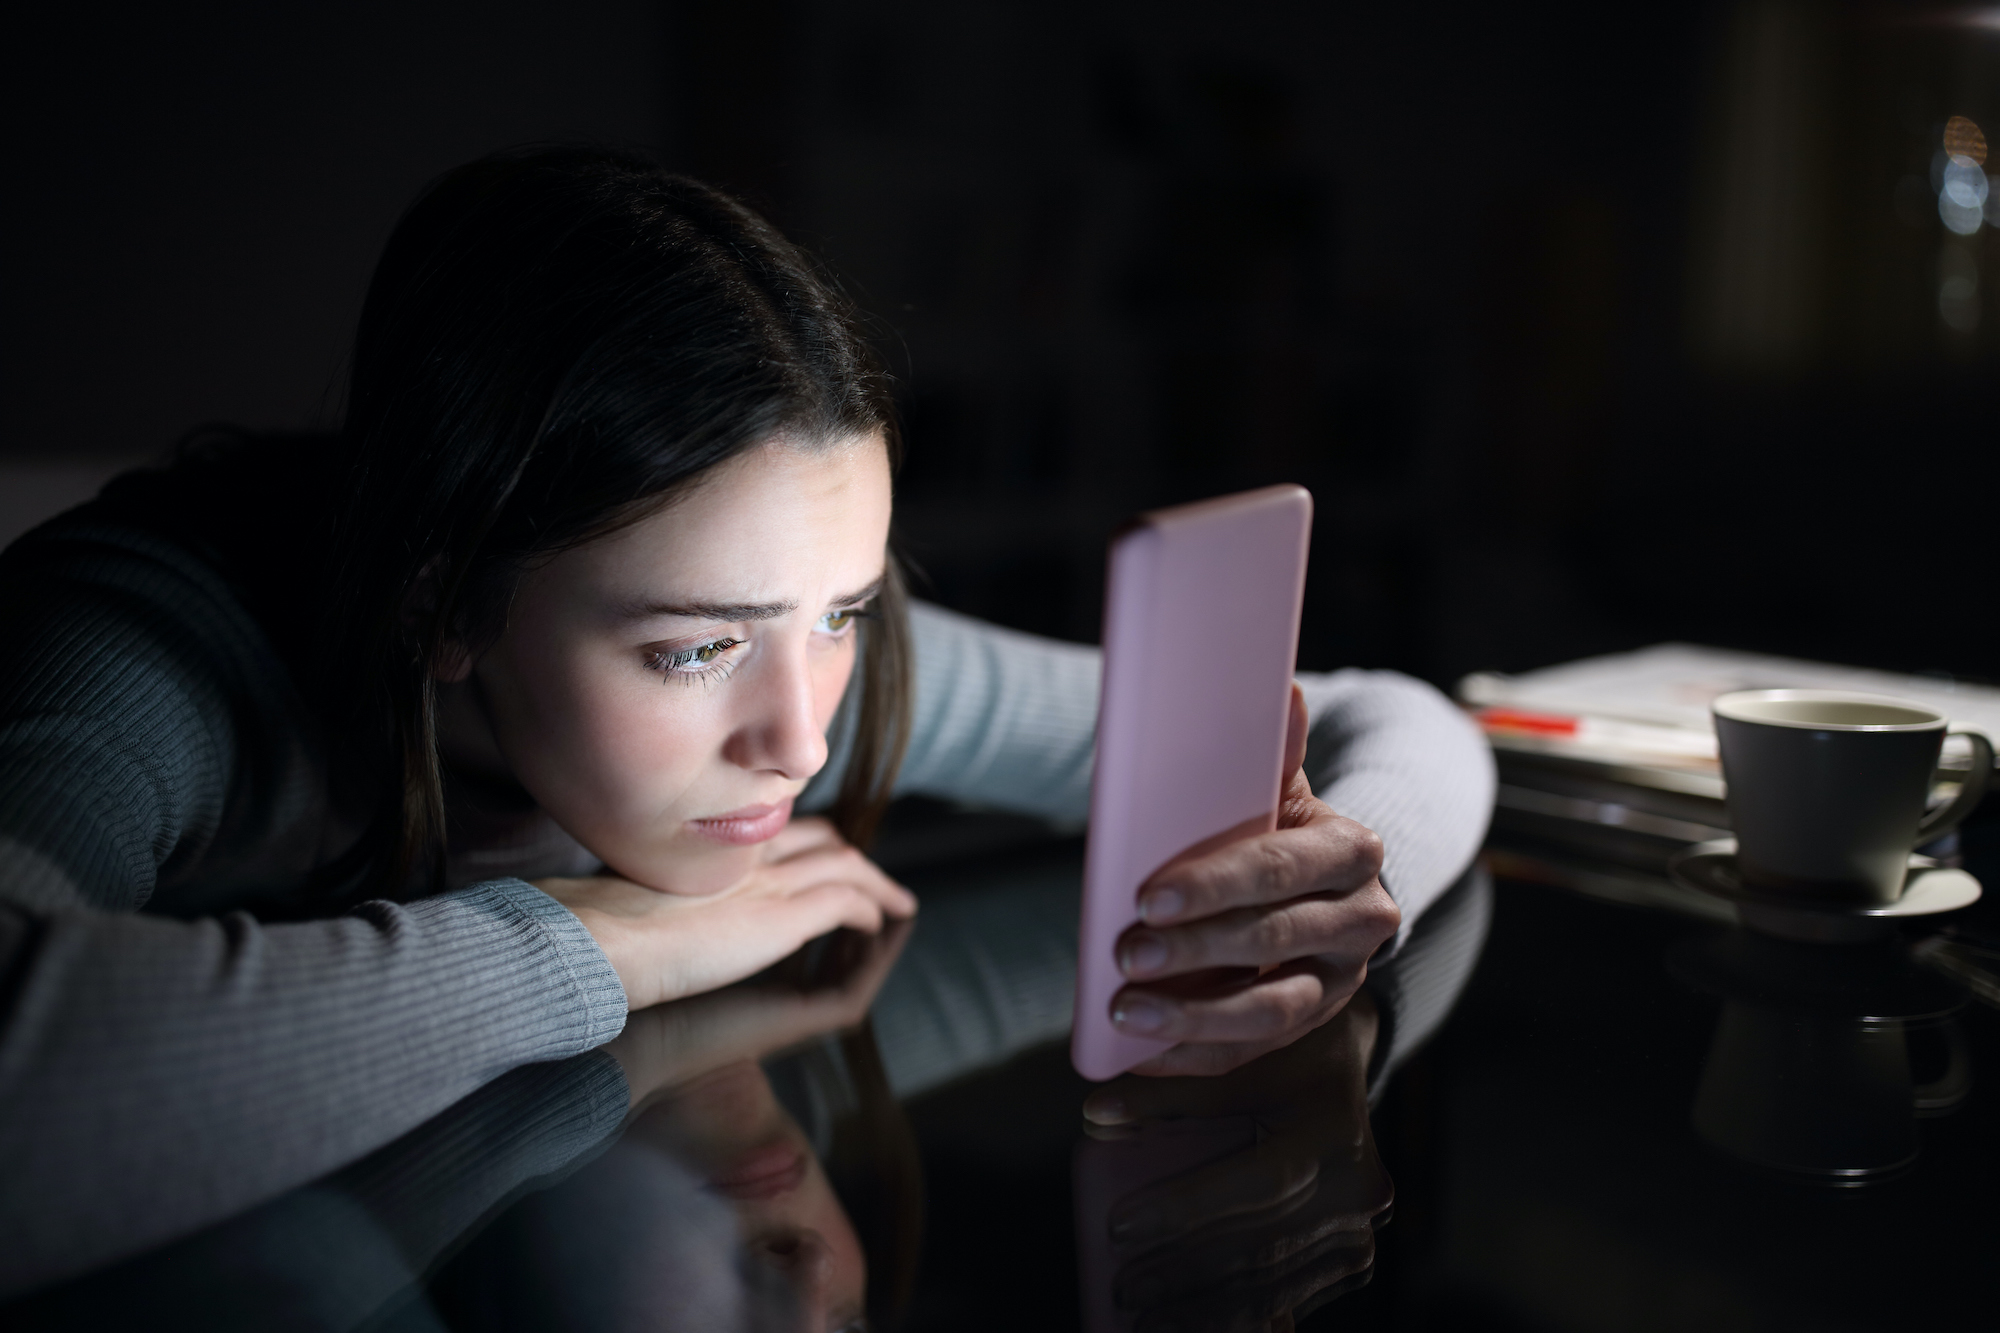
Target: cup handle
[(1946, 817), (1942, 1096)]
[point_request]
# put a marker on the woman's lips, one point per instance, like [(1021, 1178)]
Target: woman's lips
[(764, 1174), (740, 828)]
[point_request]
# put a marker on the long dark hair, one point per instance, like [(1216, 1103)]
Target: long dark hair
[(557, 341)]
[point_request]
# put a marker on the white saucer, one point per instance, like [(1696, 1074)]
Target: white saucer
[(1710, 867)]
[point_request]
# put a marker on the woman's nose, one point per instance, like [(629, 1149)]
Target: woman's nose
[(779, 729)]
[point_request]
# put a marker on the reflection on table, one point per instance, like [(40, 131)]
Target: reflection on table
[(1626, 1118)]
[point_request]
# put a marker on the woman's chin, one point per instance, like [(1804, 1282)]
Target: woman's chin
[(696, 872)]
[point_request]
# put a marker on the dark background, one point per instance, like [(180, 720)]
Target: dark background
[(1588, 326)]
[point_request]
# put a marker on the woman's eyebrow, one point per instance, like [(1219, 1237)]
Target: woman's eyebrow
[(867, 594), (722, 611), (728, 612)]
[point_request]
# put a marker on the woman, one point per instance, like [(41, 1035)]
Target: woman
[(597, 568)]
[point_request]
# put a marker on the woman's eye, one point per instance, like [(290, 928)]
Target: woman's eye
[(690, 661), (839, 622)]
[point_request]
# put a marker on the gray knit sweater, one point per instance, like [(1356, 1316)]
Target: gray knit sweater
[(185, 1032)]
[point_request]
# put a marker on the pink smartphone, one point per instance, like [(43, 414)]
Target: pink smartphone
[(1201, 634)]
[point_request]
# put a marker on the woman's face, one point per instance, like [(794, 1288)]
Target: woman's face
[(664, 693)]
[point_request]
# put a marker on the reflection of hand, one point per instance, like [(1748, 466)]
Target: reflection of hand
[(669, 1045), (1248, 947), (1242, 1241), (665, 946)]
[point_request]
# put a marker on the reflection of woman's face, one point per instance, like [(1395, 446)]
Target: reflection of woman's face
[(664, 693), (729, 1128)]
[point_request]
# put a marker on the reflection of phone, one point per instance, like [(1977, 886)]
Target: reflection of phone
[(1201, 633), (1106, 1171)]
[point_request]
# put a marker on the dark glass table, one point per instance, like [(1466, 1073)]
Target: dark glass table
[(1623, 1119)]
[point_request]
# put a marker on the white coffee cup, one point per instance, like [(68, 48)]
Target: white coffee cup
[(1826, 789)]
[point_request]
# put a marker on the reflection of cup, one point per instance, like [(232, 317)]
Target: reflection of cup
[(1826, 789), (1818, 1096)]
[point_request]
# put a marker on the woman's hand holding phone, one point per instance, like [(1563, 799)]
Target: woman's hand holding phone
[(1245, 949), (666, 946)]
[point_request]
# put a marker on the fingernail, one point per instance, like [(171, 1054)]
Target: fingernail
[(1143, 955), (1139, 1016), (1107, 1108), (1163, 904)]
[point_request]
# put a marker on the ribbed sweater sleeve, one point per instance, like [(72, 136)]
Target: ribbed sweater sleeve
[(157, 1075), (1394, 754), (1001, 718), (1008, 719)]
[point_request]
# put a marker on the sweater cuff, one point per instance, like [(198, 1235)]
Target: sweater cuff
[(591, 975)]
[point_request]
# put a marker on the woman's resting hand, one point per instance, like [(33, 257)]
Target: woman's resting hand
[(1248, 947), (665, 946)]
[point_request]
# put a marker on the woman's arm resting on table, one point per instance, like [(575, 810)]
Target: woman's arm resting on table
[(159, 1075)]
